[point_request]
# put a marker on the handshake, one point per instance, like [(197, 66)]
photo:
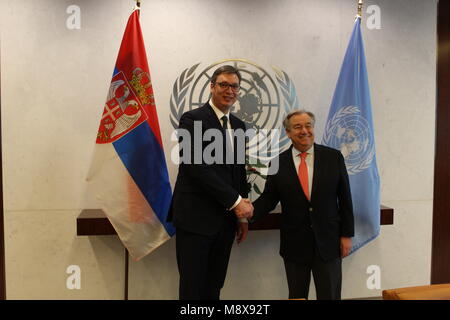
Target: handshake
[(244, 209)]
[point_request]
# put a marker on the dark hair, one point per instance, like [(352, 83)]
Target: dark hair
[(286, 123), (227, 69)]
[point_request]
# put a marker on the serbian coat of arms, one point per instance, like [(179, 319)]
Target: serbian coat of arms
[(123, 107)]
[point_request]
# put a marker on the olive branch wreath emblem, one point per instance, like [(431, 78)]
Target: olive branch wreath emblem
[(178, 97), (329, 133), (178, 106)]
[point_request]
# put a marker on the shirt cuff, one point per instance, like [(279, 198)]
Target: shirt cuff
[(236, 203)]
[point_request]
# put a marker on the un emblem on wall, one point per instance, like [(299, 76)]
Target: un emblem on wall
[(264, 100), (349, 132)]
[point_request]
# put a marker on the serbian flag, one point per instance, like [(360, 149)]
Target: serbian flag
[(128, 175)]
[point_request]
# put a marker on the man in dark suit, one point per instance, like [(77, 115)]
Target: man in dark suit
[(313, 188), (209, 205)]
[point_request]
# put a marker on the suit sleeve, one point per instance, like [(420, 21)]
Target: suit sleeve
[(245, 187), (345, 201), (204, 174), (267, 201)]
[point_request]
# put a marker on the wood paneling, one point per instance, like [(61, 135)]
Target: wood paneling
[(2, 230), (93, 222), (440, 256)]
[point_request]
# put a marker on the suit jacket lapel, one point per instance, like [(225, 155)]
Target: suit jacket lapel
[(318, 164), (233, 122), (292, 171), (215, 123), (212, 117)]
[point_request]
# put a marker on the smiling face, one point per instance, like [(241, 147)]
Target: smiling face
[(224, 98), (301, 131)]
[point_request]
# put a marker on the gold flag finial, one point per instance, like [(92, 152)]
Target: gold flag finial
[(360, 4)]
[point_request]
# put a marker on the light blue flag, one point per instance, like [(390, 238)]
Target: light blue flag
[(349, 128)]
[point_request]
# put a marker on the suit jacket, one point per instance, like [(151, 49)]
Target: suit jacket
[(203, 192), (320, 221)]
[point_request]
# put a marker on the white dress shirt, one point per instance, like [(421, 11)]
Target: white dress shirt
[(219, 115)]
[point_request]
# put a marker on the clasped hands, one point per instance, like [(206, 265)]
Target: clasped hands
[(244, 209)]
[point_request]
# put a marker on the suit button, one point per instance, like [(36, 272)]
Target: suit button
[(310, 209)]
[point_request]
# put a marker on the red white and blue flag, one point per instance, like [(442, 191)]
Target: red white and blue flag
[(129, 174)]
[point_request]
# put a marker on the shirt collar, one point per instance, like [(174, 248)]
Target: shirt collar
[(309, 151), (217, 111)]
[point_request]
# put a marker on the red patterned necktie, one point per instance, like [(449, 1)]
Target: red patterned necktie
[(303, 174)]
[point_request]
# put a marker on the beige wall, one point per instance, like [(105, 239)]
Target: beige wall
[(54, 83)]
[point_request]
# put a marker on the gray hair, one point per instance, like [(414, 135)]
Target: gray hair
[(286, 122)]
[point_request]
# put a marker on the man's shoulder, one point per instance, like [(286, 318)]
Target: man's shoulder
[(284, 156), (326, 150), (237, 121), (232, 116), (286, 153), (197, 112)]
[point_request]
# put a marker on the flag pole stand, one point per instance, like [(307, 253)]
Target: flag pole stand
[(126, 275)]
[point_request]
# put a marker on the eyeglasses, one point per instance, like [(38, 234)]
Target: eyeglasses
[(307, 126), (225, 85)]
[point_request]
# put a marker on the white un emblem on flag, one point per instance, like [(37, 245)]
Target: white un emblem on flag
[(349, 132)]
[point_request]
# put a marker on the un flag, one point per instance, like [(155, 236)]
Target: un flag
[(349, 128)]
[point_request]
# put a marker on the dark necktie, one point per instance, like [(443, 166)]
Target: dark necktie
[(224, 122)]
